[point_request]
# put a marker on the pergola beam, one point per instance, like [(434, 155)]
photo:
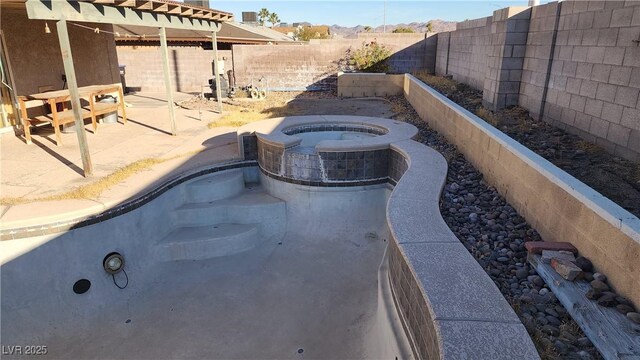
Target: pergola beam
[(105, 14), (216, 74), (72, 82), (167, 79)]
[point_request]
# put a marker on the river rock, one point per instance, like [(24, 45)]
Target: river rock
[(634, 316), (607, 300), (600, 277), (599, 285), (624, 308), (584, 263)]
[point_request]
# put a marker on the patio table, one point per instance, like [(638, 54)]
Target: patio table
[(62, 96)]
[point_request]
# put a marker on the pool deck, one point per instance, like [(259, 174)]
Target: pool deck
[(44, 169)]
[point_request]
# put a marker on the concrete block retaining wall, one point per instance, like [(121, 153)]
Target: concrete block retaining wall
[(556, 204), (314, 66), (368, 85)]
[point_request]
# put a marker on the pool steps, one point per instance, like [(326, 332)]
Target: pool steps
[(215, 187), (222, 216)]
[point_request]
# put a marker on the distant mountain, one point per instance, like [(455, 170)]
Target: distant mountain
[(438, 26)]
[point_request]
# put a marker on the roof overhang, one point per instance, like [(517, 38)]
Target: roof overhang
[(152, 13)]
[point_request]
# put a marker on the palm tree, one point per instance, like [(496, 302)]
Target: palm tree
[(429, 27), (263, 15), (273, 19)]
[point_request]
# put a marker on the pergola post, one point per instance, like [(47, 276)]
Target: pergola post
[(72, 82), (167, 78), (216, 73)]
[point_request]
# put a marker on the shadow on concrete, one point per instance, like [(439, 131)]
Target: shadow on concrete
[(57, 156), (148, 126)]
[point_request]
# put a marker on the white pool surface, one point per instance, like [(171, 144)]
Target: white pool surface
[(312, 292)]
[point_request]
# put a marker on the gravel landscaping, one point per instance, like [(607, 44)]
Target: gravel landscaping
[(495, 234), (613, 177)]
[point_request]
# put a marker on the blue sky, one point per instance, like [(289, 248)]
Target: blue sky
[(351, 13)]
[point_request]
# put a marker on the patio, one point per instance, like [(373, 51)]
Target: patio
[(53, 170)]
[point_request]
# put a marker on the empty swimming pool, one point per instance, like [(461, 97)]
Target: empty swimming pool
[(273, 256), (229, 265)]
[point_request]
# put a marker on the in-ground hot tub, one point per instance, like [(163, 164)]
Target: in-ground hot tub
[(339, 254), (325, 150)]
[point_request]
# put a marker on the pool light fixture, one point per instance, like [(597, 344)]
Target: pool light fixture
[(113, 263)]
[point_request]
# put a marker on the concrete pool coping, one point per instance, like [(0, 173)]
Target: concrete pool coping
[(272, 131), (459, 302)]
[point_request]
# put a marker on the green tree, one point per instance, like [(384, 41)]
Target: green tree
[(367, 28), (263, 15), (371, 57), (429, 26), (403, 30), (273, 19)]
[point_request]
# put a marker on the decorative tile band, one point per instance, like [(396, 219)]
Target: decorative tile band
[(329, 184), (301, 164), (66, 225), (412, 306), (335, 127)]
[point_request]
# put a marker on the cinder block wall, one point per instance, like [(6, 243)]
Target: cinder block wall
[(314, 66), (509, 29), (469, 48), (369, 85), (191, 67), (575, 64), (442, 53), (542, 27), (594, 84)]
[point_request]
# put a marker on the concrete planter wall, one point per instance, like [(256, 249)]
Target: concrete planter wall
[(558, 205)]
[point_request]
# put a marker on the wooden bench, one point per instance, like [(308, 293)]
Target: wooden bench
[(38, 111), (98, 108)]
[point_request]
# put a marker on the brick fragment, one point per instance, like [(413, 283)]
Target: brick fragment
[(566, 269), (548, 255), (536, 247)]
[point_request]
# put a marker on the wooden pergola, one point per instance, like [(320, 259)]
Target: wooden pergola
[(160, 14)]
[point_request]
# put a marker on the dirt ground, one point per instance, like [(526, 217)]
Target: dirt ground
[(240, 110), (613, 177)]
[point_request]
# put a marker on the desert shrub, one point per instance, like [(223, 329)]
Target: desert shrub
[(371, 57), (403, 30)]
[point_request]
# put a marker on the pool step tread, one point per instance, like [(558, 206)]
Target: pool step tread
[(209, 241), (252, 206), (253, 197), (216, 187)]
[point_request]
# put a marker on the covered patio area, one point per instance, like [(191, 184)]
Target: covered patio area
[(143, 148), (70, 102)]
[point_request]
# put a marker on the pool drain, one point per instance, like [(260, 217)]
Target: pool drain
[(81, 286)]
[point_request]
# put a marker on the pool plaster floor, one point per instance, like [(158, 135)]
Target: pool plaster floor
[(315, 292)]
